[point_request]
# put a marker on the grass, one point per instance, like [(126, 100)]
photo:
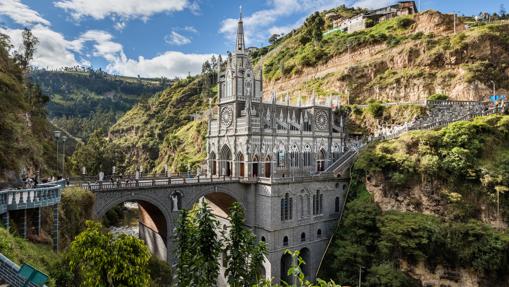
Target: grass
[(22, 251)]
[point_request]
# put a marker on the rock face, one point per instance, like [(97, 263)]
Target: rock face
[(429, 59)]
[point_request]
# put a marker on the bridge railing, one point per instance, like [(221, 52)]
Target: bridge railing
[(154, 182), (41, 196)]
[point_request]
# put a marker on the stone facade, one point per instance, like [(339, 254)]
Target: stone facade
[(283, 149), (270, 157)]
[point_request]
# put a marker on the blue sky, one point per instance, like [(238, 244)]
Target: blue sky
[(166, 37)]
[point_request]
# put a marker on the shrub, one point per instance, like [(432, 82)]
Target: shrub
[(404, 23), (376, 109), (438, 97)]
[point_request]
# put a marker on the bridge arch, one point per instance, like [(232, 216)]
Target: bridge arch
[(155, 218), (220, 196)]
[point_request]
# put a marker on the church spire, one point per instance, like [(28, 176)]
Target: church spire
[(240, 35)]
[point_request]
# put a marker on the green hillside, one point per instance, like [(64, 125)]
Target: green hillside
[(25, 135), (428, 197), (82, 101), (404, 58), (168, 128)]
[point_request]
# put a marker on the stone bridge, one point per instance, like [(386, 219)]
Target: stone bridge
[(160, 199)]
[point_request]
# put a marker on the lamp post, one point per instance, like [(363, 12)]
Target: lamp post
[(57, 135), (64, 139)]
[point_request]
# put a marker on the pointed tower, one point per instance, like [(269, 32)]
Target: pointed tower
[(240, 47)]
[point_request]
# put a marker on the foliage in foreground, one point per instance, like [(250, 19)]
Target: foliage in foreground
[(378, 242), (97, 258)]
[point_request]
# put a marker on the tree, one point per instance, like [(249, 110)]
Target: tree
[(237, 248), (206, 248), (29, 45), (503, 12), (99, 259), (183, 250), (273, 38)]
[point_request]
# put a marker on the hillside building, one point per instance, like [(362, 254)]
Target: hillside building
[(366, 20)]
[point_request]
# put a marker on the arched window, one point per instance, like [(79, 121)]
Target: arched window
[(286, 207), (307, 155), (336, 204), (319, 233), (317, 203), (320, 162), (301, 206), (226, 161), (294, 156), (263, 239), (285, 241), (281, 158), (303, 237)]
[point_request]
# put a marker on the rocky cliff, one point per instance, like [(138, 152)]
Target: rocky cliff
[(404, 59)]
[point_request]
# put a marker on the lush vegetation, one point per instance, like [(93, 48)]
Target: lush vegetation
[(74, 209), (19, 250), (379, 241), (466, 161), (83, 101), (97, 258), (25, 141), (168, 129)]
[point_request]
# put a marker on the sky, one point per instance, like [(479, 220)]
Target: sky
[(167, 38)]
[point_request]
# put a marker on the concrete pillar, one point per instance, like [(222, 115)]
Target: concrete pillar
[(36, 220), (23, 229), (54, 231), (6, 220)]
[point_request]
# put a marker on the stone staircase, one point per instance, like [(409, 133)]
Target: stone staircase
[(439, 117)]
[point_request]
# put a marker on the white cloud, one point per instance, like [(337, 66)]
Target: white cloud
[(127, 9), (259, 24), (119, 26), (53, 51), (175, 38), (170, 64), (21, 13)]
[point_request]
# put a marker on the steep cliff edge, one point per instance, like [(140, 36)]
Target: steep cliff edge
[(407, 58), (422, 210)]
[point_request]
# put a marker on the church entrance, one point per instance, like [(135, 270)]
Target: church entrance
[(268, 163), (226, 161)]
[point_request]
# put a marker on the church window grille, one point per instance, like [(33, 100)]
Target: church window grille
[(281, 158), (286, 207), (317, 203), (294, 157), (307, 155)]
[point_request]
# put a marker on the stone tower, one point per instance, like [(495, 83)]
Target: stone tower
[(280, 152)]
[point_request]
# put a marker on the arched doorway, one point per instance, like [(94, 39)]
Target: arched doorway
[(320, 162), (306, 256), (240, 160), (212, 163), (255, 166), (286, 263), (268, 164), (226, 161)]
